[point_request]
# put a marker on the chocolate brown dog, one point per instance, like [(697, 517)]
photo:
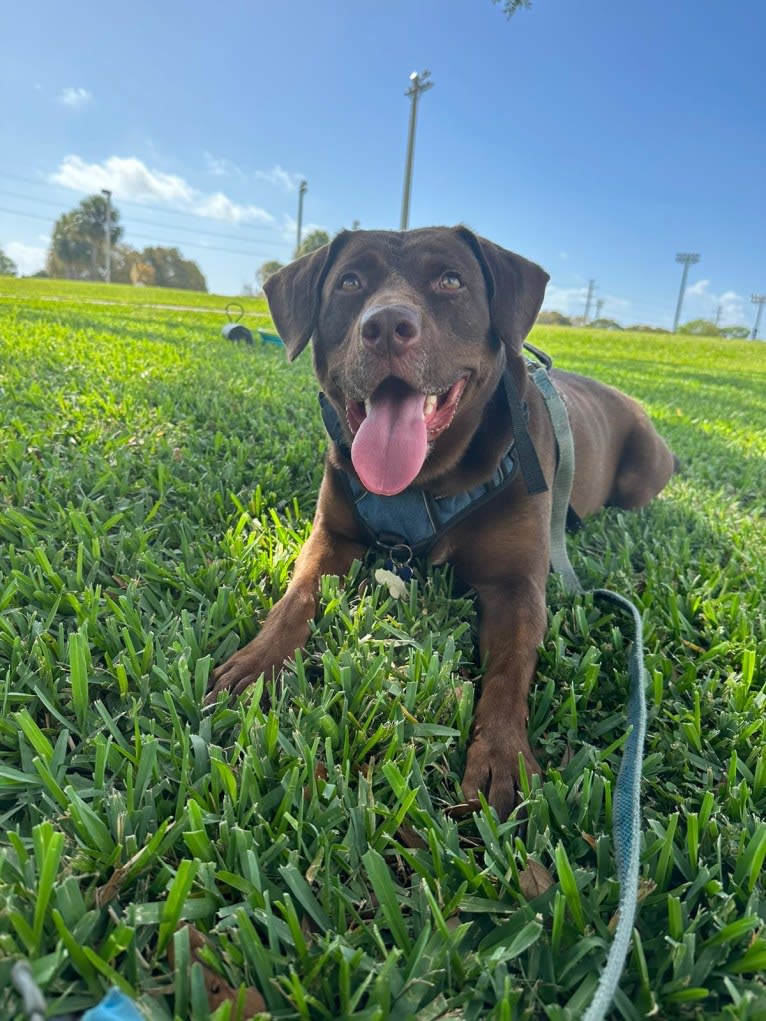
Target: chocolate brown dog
[(417, 340)]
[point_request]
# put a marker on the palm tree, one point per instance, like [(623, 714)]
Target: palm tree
[(69, 254), (91, 221), (77, 244)]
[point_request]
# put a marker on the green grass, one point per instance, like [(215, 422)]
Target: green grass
[(31, 289), (156, 483)]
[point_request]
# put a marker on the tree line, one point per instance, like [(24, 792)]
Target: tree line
[(694, 328), (77, 251)]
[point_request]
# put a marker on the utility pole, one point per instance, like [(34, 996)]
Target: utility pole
[(760, 301), (599, 306), (302, 189), (420, 83), (108, 233), (591, 285), (718, 311), (688, 259)]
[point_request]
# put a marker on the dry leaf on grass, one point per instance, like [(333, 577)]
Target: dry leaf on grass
[(218, 989), (534, 879)]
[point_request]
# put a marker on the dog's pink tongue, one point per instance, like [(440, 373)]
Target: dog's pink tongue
[(391, 445)]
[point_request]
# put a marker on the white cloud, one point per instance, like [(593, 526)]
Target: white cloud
[(74, 98), (220, 207), (733, 308), (700, 302), (568, 300), (28, 258), (280, 177), (571, 302), (219, 166), (729, 308), (699, 289), (128, 178)]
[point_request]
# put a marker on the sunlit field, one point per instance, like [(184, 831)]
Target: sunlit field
[(156, 484)]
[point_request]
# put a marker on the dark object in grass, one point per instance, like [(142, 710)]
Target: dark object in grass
[(417, 340), (234, 330)]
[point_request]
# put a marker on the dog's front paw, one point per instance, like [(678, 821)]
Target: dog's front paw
[(241, 670), (492, 767)]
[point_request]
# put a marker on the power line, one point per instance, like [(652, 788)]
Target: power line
[(126, 202), (253, 253), (29, 216), (149, 223)]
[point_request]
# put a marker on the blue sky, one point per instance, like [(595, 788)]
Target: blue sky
[(597, 137)]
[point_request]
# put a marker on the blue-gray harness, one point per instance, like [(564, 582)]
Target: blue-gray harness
[(414, 520)]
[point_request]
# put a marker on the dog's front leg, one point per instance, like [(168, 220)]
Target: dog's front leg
[(511, 628), (330, 549)]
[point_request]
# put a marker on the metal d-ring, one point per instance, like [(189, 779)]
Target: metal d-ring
[(232, 316)]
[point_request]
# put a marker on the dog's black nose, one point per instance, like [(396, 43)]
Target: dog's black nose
[(390, 327)]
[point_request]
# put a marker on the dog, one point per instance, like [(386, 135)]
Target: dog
[(418, 346)]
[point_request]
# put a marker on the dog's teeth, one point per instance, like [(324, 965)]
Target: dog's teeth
[(430, 406)]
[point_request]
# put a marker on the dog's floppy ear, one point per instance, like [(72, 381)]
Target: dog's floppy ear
[(516, 288), (293, 294)]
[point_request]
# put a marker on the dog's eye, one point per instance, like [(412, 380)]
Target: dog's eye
[(450, 281), (349, 282)]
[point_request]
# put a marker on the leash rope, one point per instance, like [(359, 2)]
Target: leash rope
[(626, 815), (626, 805)]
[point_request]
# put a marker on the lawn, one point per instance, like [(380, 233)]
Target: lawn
[(156, 483)]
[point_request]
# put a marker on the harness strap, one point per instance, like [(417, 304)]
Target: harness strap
[(529, 464), (332, 425), (562, 484)]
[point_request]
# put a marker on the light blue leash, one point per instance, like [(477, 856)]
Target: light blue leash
[(626, 807)]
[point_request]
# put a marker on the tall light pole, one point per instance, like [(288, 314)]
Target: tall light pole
[(420, 83), (588, 300), (302, 189), (688, 259), (760, 301), (108, 233)]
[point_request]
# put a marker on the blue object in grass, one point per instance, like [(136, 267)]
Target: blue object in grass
[(269, 338), (115, 1006)]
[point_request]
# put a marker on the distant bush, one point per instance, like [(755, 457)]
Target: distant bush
[(700, 328), (735, 332), (553, 319), (7, 265), (604, 324)]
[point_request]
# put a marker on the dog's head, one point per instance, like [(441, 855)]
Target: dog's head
[(411, 332)]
